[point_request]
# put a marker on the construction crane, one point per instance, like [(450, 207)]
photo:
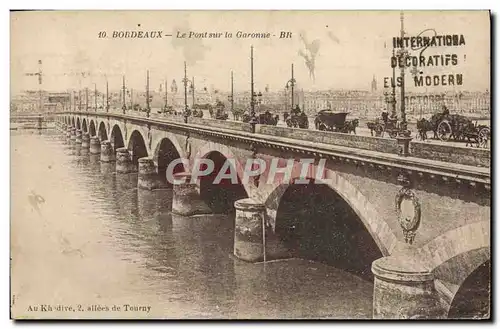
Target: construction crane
[(39, 74)]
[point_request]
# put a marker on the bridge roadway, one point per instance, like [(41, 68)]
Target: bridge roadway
[(363, 130), (451, 169), (426, 207)]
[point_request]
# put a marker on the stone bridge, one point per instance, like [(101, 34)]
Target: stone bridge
[(416, 215)]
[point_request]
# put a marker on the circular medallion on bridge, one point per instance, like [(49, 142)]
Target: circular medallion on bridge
[(408, 210)]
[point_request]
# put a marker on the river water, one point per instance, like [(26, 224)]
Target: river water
[(85, 243)]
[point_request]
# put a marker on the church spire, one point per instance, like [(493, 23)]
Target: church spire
[(374, 84)]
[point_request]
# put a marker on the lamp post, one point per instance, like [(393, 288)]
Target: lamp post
[(192, 89), (403, 53), (86, 98), (253, 118), (231, 97), (404, 135), (95, 97), (285, 92), (107, 96), (148, 108), (131, 99), (290, 84), (186, 81), (124, 107), (166, 97)]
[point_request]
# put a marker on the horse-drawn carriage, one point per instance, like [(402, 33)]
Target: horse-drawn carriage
[(385, 124), (220, 111), (328, 120), (296, 120), (265, 118), (455, 127), (167, 110)]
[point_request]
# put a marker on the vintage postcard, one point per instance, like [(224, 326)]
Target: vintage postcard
[(250, 165)]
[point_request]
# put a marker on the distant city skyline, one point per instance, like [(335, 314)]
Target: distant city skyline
[(347, 48)]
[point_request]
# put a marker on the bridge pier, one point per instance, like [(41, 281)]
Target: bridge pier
[(248, 231), (404, 289), (107, 154), (147, 178), (72, 136), (123, 161), (85, 141), (186, 199), (78, 137), (95, 145)]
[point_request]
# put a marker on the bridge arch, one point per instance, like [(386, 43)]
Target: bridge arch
[(102, 132), (73, 124), (473, 297), (137, 147), (455, 258), (129, 128), (92, 130), (158, 137), (116, 137), (365, 211), (84, 125), (324, 221), (221, 195), (78, 125), (458, 241), (227, 153), (165, 152)]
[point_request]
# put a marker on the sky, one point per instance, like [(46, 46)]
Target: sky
[(351, 48)]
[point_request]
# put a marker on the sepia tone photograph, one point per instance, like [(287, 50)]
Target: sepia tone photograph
[(250, 165)]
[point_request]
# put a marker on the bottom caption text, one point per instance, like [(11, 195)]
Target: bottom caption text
[(89, 308)]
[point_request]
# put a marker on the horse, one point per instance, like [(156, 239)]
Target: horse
[(198, 113), (296, 121), (292, 121), (222, 116), (423, 126), (303, 121), (350, 126), (372, 126), (245, 118), (237, 114), (268, 119)]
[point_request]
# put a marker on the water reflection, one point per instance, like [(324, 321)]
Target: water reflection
[(136, 250), (76, 149), (95, 163), (82, 159), (108, 169)]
